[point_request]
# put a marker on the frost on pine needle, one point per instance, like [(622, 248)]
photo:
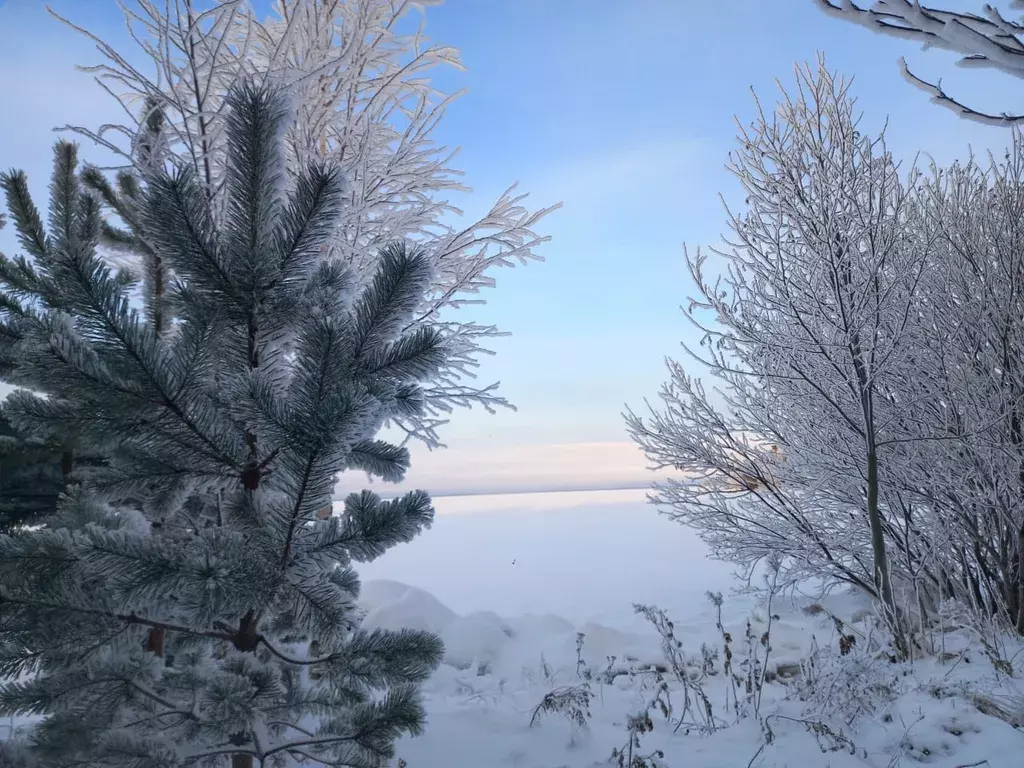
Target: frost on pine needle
[(359, 90), (188, 601)]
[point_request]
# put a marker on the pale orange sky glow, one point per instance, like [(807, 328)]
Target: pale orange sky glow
[(521, 468)]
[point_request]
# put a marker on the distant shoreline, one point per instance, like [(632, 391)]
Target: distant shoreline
[(446, 494)]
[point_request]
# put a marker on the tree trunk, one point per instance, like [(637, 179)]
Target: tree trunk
[(883, 583), (246, 640), (155, 642), (1020, 581), (157, 298), (67, 466)]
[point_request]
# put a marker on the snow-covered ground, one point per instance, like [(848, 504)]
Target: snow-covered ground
[(579, 555), (509, 581)]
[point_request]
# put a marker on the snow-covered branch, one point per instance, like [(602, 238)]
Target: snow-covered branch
[(987, 40)]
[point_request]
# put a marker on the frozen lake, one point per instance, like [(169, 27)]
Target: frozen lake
[(582, 555)]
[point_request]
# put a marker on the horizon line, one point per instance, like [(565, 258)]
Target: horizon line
[(451, 494)]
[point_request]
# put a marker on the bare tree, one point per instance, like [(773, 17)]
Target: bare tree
[(972, 364), (811, 324), (363, 98), (989, 40)]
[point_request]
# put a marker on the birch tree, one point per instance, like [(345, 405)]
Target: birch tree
[(975, 380), (810, 329)]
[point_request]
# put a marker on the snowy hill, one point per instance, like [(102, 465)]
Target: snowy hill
[(940, 711)]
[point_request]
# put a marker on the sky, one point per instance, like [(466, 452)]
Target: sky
[(622, 111)]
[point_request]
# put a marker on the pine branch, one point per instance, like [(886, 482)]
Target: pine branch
[(27, 222), (376, 457), (229, 428), (128, 618), (64, 194), (394, 294), (417, 356)]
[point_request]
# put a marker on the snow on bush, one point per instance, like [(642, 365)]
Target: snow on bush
[(547, 693)]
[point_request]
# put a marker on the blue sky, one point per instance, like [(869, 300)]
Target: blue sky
[(624, 111)]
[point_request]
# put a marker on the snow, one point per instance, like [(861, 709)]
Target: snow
[(581, 560), (575, 555), (391, 605), (496, 671)]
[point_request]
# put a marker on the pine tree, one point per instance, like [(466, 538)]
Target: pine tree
[(140, 262), (361, 76), (29, 479), (33, 471), (228, 430)]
